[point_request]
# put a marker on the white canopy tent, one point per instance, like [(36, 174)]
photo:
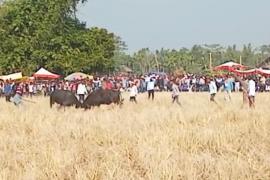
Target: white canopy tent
[(78, 76), (43, 73)]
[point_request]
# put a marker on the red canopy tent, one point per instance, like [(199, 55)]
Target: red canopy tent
[(229, 66), (245, 72), (238, 69), (43, 73), (263, 72), (249, 72)]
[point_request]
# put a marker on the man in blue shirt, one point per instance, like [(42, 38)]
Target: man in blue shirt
[(228, 87), (7, 90)]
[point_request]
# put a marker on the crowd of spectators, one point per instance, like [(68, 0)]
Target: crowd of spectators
[(159, 82)]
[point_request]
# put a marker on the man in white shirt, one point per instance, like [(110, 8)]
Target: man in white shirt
[(81, 91), (251, 92), (212, 90), (151, 88), (133, 92), (31, 89)]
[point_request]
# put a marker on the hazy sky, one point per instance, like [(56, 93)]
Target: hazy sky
[(181, 23)]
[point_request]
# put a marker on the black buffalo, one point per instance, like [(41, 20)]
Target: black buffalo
[(102, 96), (64, 98)]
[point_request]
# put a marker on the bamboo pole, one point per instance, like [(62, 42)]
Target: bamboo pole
[(240, 59), (210, 61)]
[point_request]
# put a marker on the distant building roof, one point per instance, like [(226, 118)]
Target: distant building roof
[(124, 68)]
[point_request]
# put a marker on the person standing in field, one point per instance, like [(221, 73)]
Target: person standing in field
[(237, 86), (228, 87), (81, 91), (244, 87), (212, 90), (7, 91), (251, 92), (175, 93), (133, 92), (151, 88), (17, 99), (31, 89)]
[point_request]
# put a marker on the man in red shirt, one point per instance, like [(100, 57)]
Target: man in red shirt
[(109, 85)]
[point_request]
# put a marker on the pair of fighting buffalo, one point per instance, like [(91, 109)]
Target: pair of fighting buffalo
[(96, 98)]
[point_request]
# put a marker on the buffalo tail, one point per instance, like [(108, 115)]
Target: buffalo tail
[(51, 101)]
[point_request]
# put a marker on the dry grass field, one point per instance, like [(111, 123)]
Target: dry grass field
[(150, 140)]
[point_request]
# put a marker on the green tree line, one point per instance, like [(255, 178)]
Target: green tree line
[(194, 60)]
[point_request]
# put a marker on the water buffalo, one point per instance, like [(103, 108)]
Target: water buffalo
[(102, 96), (64, 98)]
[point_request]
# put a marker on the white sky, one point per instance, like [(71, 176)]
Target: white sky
[(181, 23)]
